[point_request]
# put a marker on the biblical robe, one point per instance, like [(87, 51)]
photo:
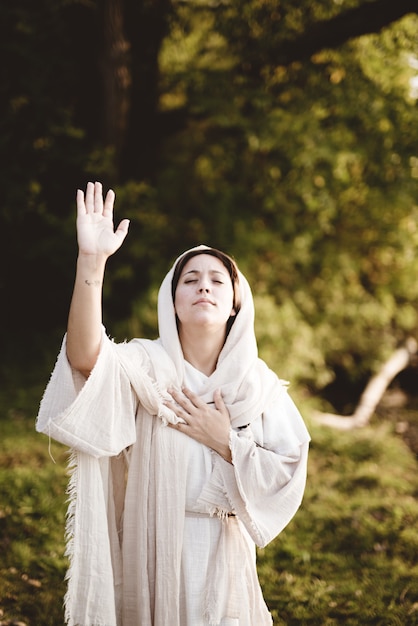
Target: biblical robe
[(162, 530)]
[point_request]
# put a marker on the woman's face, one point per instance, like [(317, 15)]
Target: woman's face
[(204, 294)]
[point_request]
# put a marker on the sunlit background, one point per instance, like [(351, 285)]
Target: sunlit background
[(284, 132)]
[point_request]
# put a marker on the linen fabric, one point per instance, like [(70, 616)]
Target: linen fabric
[(160, 529)]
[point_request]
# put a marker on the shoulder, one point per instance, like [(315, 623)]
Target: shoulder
[(148, 354), (135, 352)]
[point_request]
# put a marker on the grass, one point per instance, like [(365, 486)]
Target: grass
[(32, 518), (349, 556)]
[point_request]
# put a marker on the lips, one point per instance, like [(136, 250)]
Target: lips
[(203, 301)]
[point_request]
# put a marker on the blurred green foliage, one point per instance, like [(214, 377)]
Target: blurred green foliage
[(305, 170)]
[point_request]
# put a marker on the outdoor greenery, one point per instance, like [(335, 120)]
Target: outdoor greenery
[(32, 518), (284, 132), (349, 555), (241, 124)]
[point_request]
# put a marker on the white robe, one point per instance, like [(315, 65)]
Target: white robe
[(173, 545), (203, 533)]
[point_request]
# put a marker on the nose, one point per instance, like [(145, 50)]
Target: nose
[(204, 286)]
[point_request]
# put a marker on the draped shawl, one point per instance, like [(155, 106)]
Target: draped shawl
[(115, 424)]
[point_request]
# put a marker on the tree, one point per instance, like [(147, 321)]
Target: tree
[(134, 31), (305, 173), (363, 19), (241, 124)]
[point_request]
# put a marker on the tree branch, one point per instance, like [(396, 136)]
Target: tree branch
[(373, 392), (369, 17)]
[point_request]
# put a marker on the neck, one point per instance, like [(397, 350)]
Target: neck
[(202, 350)]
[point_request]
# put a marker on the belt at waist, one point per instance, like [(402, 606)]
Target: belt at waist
[(221, 514)]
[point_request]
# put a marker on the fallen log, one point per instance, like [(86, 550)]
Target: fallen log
[(373, 391)]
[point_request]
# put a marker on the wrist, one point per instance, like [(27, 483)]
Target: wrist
[(227, 456), (224, 450), (91, 265)]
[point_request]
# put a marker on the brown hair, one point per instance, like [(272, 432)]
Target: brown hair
[(229, 264)]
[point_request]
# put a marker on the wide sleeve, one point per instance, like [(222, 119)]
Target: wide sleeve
[(95, 416), (265, 483)]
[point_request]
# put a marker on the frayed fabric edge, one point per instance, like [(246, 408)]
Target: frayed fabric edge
[(72, 490)]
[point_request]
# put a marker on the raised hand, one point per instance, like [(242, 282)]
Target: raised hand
[(95, 229)]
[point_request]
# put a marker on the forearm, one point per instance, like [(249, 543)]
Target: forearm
[(85, 317)]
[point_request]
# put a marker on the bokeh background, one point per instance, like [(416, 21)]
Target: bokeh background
[(284, 132)]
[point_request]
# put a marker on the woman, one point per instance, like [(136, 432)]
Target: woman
[(187, 450)]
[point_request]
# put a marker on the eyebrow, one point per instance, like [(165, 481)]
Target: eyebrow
[(210, 271)]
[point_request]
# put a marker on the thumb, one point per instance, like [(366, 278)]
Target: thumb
[(122, 229)]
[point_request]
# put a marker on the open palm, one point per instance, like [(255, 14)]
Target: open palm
[(95, 230)]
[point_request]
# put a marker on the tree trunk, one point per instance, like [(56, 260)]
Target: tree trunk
[(116, 76), (146, 27)]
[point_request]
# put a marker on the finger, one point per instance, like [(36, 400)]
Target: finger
[(177, 395), (184, 407), (177, 425), (176, 408), (193, 398), (219, 401), (183, 414), (81, 206), (89, 198), (108, 204), (98, 198)]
